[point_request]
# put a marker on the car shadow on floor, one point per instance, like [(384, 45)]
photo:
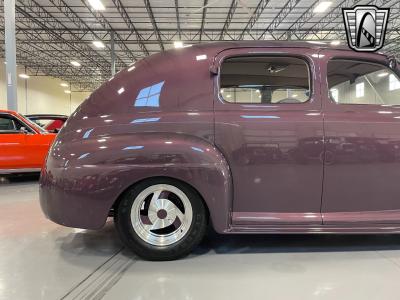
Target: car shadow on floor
[(105, 242), (19, 178), (290, 243)]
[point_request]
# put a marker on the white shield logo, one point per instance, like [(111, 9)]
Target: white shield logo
[(365, 27)]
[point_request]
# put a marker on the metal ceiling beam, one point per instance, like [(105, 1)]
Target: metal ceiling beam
[(203, 19), (283, 13), (332, 16), (254, 18), (178, 21), (63, 7), (122, 11), (154, 23), (106, 25), (43, 14), (229, 18), (51, 34)]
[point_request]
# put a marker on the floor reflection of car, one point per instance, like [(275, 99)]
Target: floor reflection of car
[(308, 150), (259, 154), (23, 144), (52, 123)]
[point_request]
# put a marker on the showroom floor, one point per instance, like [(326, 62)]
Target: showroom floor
[(41, 260)]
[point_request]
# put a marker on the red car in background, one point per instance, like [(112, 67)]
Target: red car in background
[(23, 144), (52, 123)]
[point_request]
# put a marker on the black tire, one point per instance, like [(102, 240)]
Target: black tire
[(148, 251)]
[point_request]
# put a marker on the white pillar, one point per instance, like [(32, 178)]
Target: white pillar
[(11, 67)]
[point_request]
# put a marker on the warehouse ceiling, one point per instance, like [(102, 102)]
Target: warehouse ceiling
[(52, 33)]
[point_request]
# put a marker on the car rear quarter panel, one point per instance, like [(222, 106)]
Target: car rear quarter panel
[(114, 140)]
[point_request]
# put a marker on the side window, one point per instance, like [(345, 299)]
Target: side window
[(356, 82), (264, 80), (9, 124)]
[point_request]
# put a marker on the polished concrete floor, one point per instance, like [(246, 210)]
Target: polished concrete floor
[(41, 260)]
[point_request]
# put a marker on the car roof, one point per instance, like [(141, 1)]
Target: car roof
[(46, 116), (296, 44), (217, 47), (4, 111)]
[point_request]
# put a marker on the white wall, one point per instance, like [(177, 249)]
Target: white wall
[(40, 94)]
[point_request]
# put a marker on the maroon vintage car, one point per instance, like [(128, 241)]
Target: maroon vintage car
[(253, 137)]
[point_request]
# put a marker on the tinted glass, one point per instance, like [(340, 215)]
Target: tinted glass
[(267, 80), (355, 82), (7, 124)]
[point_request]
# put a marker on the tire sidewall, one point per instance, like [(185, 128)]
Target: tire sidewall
[(180, 248)]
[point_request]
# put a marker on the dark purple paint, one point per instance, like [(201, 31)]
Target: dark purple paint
[(120, 136)]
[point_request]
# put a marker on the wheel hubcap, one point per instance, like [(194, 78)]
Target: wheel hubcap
[(161, 214)]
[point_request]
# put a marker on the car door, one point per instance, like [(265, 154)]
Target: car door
[(361, 104), (38, 145), (12, 144), (268, 124)]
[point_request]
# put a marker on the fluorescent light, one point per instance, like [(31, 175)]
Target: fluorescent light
[(121, 90), (67, 92), (75, 63), (24, 76), (178, 44), (322, 6), (131, 68), (96, 4), (383, 74), (335, 43), (99, 44), (294, 95), (64, 84)]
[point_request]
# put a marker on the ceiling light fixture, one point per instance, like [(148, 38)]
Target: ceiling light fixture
[(322, 6), (99, 44), (383, 74), (67, 92), (335, 43), (97, 5), (75, 63), (24, 76), (64, 84)]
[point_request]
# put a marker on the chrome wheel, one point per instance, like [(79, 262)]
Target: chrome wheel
[(161, 214)]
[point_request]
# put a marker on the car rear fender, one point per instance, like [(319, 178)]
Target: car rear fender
[(103, 168)]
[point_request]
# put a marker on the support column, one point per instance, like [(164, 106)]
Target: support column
[(11, 64), (112, 53)]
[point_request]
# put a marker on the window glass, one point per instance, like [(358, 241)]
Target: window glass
[(7, 124), (266, 80), (394, 83), (355, 82)]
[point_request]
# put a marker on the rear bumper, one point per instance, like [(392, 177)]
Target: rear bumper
[(72, 200)]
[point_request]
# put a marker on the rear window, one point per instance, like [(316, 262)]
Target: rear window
[(265, 80)]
